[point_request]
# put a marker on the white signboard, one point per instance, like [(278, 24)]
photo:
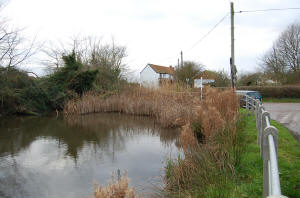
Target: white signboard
[(197, 83), (206, 81)]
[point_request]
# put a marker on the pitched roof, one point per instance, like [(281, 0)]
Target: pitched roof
[(162, 69), (207, 75)]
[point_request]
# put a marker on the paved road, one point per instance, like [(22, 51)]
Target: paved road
[(287, 114)]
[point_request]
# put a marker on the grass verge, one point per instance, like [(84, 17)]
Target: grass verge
[(249, 170), (231, 166), (282, 100)]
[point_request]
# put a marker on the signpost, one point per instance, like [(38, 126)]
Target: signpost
[(198, 83), (201, 81)]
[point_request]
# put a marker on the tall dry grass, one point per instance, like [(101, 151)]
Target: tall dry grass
[(208, 168), (115, 189), (170, 106)]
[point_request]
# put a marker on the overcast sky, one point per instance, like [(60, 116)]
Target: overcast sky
[(155, 31)]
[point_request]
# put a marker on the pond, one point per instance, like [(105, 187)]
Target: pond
[(62, 157)]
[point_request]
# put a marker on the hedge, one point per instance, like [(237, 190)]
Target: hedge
[(275, 92)]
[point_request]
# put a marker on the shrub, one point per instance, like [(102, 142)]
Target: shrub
[(21, 93), (68, 82), (115, 189)]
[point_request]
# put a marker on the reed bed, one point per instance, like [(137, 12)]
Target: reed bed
[(208, 166), (171, 107)]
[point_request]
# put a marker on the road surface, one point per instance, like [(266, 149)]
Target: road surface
[(287, 114)]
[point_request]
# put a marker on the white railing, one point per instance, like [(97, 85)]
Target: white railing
[(267, 139)]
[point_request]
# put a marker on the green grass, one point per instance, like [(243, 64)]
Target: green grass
[(250, 168), (278, 100), (206, 180)]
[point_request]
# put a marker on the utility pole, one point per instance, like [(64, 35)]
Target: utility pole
[(232, 60), (181, 59)]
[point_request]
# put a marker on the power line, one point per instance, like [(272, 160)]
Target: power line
[(204, 36), (223, 18), (267, 10)]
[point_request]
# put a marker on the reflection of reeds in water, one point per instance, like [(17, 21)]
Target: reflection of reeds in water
[(115, 189), (121, 125)]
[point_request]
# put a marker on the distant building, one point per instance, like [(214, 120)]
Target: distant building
[(154, 75), (208, 77)]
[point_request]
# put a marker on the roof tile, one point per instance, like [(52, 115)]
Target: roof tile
[(162, 69)]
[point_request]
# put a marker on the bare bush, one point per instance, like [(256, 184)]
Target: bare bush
[(115, 189)]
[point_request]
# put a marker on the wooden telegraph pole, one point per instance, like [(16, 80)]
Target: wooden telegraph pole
[(232, 60), (181, 59)]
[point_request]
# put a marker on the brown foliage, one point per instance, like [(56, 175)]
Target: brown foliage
[(210, 163), (170, 108), (115, 189)]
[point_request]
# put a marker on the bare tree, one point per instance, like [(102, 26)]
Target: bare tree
[(189, 70), (284, 57), (53, 53), (90, 51), (288, 46), (107, 58), (13, 46)]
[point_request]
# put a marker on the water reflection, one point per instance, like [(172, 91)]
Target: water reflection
[(52, 157)]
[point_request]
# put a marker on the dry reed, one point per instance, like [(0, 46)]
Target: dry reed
[(115, 189), (207, 167), (204, 164), (170, 106)]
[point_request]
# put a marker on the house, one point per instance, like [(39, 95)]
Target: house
[(154, 75)]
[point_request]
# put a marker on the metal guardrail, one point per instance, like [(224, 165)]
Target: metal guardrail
[(267, 139)]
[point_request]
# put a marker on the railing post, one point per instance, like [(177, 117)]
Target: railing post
[(259, 123), (252, 106), (266, 174), (257, 114), (263, 125), (247, 103)]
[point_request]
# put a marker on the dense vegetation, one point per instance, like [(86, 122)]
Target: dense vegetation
[(211, 148), (228, 164), (23, 94), (20, 93)]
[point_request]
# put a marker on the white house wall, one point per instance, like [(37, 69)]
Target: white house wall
[(148, 77)]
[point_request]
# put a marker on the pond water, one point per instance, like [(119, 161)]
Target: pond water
[(62, 157)]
